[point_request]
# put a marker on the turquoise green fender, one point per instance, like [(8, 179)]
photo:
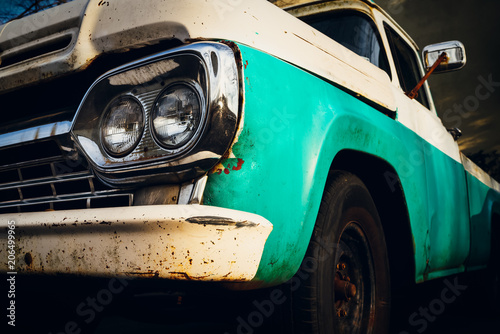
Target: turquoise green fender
[(294, 125)]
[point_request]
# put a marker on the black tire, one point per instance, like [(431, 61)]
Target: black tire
[(343, 285)]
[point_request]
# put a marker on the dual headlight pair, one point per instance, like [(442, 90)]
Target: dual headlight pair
[(175, 117), (165, 118)]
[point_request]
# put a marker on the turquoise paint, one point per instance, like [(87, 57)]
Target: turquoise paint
[(483, 202), (294, 125), (448, 211)]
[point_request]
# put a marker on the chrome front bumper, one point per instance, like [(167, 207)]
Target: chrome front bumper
[(182, 242)]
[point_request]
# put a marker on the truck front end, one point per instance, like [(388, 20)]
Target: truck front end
[(110, 132)]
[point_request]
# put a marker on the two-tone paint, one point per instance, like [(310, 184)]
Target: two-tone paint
[(306, 100)]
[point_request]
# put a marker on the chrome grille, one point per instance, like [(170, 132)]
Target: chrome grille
[(38, 177)]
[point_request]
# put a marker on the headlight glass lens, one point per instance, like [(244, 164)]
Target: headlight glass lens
[(176, 116), (122, 126)]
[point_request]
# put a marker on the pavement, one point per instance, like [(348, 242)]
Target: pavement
[(48, 305)]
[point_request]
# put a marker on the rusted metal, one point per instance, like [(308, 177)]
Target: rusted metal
[(344, 289), (414, 92), (180, 242), (157, 195)]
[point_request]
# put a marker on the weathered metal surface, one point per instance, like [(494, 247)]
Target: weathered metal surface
[(129, 24), (182, 242), (290, 102), (157, 195), (318, 122), (295, 123)]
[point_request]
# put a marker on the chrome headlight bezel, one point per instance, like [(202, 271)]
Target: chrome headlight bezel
[(212, 69)]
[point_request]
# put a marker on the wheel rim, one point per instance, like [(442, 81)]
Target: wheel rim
[(354, 283)]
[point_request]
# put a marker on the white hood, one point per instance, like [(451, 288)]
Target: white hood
[(99, 26)]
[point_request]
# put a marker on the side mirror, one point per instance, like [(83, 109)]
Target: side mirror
[(455, 56)]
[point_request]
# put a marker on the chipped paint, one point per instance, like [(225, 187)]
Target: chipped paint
[(186, 242), (208, 220), (219, 169)]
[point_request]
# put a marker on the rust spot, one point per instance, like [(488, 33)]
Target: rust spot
[(28, 259), (227, 170), (181, 274), (239, 164), (149, 273), (246, 64)]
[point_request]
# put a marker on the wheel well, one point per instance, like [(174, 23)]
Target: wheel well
[(385, 188)]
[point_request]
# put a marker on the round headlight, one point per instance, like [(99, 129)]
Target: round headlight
[(122, 126), (176, 116)]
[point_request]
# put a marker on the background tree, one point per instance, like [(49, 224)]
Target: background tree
[(16, 9)]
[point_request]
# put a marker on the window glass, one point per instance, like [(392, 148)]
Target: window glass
[(406, 65), (355, 31)]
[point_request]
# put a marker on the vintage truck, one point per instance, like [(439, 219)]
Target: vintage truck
[(250, 143)]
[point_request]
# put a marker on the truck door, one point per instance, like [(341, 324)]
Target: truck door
[(447, 202)]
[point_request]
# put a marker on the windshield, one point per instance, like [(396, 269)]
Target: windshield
[(355, 31)]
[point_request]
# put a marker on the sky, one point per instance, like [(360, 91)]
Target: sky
[(470, 98)]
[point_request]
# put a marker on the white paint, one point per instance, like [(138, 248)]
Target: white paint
[(256, 23), (479, 174), (140, 241)]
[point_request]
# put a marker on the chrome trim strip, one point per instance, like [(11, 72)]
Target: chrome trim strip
[(35, 133), (29, 163), (47, 180)]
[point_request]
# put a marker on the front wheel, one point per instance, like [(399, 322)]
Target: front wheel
[(343, 284)]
